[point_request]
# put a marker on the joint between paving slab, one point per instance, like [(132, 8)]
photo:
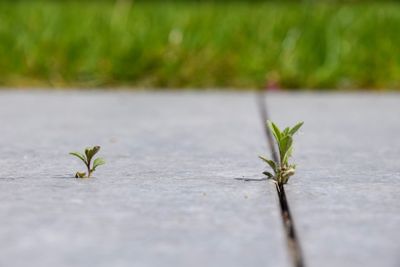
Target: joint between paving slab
[(288, 223), (292, 241)]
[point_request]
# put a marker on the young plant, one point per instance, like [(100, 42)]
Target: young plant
[(281, 168), (87, 159)]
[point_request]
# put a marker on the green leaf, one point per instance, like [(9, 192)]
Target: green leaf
[(97, 162), (275, 130), (286, 157), (79, 155), (296, 128), (289, 151), (90, 152), (286, 131), (268, 174), (80, 175), (271, 163), (284, 147), (285, 144)]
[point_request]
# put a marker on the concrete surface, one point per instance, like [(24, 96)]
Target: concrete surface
[(345, 197), (166, 197)]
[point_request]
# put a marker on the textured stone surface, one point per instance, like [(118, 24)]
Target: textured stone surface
[(345, 197), (166, 197)]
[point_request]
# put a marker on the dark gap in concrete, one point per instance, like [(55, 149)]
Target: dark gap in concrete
[(288, 223), (264, 117), (293, 242)]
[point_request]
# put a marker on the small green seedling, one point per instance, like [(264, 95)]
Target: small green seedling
[(87, 159), (281, 168)]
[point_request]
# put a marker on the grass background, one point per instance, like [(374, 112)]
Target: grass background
[(200, 44)]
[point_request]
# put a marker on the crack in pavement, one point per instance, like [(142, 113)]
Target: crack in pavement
[(293, 242)]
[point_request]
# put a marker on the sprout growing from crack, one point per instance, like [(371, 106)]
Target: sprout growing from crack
[(87, 159), (282, 169)]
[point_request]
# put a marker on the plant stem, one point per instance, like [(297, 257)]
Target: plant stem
[(88, 168)]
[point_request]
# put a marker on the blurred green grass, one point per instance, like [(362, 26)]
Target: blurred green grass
[(200, 44)]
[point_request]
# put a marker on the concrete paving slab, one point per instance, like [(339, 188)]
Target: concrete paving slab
[(345, 197), (166, 197)]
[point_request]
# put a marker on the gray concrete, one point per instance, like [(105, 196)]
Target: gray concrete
[(167, 196), (345, 197)]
